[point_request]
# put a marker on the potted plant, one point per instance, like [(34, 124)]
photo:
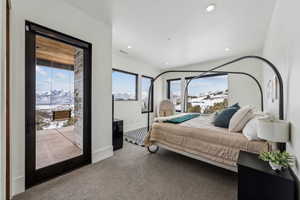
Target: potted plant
[(277, 159)]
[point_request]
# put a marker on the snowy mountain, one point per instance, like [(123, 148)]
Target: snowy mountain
[(206, 100), (55, 97), (124, 96)]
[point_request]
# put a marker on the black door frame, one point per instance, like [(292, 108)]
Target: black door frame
[(35, 176)]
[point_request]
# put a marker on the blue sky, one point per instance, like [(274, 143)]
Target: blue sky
[(203, 85), (175, 87), (121, 81), (48, 78)]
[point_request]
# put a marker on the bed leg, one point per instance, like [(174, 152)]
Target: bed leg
[(153, 148)]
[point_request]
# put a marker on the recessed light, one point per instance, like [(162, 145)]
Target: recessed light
[(210, 7), (129, 47), (227, 49)]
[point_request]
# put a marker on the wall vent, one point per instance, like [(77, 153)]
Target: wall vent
[(122, 51)]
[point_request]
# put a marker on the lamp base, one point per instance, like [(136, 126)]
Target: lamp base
[(282, 147)]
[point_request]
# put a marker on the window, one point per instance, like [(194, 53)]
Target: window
[(208, 94), (54, 87), (174, 93), (146, 82), (124, 85)]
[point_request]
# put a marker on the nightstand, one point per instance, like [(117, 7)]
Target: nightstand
[(117, 134), (257, 181)]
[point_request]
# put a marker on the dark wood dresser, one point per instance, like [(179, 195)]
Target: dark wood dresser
[(117, 134), (257, 181)]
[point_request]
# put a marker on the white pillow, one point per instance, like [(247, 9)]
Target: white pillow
[(251, 128), (240, 119)]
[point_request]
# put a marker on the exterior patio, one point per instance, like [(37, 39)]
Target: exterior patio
[(55, 145)]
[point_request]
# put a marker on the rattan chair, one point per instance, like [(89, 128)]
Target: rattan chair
[(166, 108)]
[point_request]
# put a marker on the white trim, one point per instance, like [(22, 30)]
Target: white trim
[(18, 185), (197, 157), (102, 153), (2, 97)]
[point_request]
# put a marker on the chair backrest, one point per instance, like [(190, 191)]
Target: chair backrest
[(61, 115), (166, 108)]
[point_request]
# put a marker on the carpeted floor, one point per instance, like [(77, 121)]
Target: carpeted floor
[(134, 174)]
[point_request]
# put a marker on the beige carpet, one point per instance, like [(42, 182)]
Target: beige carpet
[(134, 174)]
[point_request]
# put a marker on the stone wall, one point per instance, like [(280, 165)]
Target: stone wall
[(78, 96)]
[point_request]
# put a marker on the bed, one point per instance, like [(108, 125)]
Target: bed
[(198, 138)]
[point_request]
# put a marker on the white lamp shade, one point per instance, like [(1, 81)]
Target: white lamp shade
[(273, 130)]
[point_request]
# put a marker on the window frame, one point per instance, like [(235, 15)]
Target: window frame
[(207, 75), (152, 79), (35, 176), (136, 84), (169, 89)]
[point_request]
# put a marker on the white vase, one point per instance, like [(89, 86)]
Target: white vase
[(275, 167)]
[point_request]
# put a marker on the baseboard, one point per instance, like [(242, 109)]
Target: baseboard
[(102, 153), (133, 127), (18, 185)]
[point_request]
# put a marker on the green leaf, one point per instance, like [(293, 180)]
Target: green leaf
[(280, 158)]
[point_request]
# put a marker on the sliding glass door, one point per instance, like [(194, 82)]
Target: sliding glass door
[(58, 99)]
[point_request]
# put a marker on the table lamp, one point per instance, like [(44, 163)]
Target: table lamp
[(273, 130)]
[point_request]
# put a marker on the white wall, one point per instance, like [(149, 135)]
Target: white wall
[(282, 47), (130, 111), (62, 17), (2, 98), (242, 89)]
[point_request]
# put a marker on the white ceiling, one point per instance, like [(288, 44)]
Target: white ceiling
[(98, 9), (181, 32)]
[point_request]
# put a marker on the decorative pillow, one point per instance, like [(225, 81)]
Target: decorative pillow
[(240, 119), (222, 120), (236, 105), (250, 130), (215, 115)]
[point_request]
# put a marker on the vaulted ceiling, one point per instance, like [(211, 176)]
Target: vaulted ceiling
[(169, 33)]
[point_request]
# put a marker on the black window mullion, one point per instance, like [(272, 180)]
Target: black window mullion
[(152, 92), (169, 81)]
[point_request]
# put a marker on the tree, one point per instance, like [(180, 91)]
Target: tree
[(194, 109)]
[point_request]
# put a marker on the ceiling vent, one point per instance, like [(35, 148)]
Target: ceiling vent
[(122, 51)]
